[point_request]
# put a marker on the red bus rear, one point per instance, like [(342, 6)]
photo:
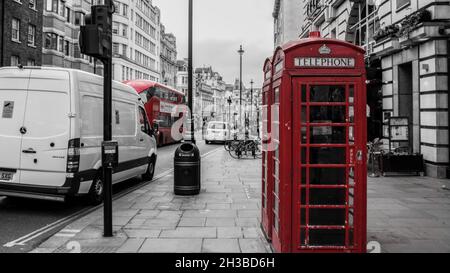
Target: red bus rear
[(159, 101)]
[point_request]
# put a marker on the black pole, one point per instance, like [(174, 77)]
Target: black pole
[(107, 171), (107, 129), (2, 34), (251, 100), (241, 52), (191, 68)]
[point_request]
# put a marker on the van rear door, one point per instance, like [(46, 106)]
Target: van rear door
[(13, 96), (47, 120)]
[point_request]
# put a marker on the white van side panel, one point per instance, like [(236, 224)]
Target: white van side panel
[(48, 129), (90, 126)]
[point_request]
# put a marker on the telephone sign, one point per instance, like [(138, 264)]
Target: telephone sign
[(325, 62)]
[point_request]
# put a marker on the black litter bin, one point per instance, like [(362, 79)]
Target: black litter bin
[(187, 170)]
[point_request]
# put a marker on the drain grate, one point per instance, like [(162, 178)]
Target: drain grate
[(105, 249)]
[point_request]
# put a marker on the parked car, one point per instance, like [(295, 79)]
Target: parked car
[(51, 132), (217, 131)]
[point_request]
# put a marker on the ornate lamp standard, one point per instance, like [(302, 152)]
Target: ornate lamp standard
[(241, 53)]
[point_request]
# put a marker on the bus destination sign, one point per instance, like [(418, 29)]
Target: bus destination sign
[(325, 62)]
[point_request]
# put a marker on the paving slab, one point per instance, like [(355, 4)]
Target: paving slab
[(221, 246), (220, 222), (171, 246), (190, 232), (131, 246), (252, 246), (142, 233), (229, 232)]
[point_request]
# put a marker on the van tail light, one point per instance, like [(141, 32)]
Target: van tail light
[(73, 156)]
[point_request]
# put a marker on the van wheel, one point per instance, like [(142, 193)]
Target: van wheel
[(148, 175), (96, 191)]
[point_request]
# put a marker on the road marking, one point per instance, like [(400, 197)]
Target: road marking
[(69, 235), (37, 233), (70, 230)]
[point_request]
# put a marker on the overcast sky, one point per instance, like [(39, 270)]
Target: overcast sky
[(220, 26)]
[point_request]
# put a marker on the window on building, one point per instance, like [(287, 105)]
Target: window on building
[(31, 62), (124, 50), (124, 30), (68, 14), (62, 8), (48, 5), (115, 48), (52, 5), (115, 27), (79, 18), (116, 6), (362, 31), (76, 51), (15, 60), (15, 30), (32, 4), (61, 44), (31, 35), (403, 3), (125, 10), (333, 33), (67, 48), (51, 41)]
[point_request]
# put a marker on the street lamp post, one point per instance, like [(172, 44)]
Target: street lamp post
[(191, 68), (251, 99), (229, 109), (241, 52)]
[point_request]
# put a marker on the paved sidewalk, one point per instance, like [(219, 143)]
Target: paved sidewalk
[(223, 218), (409, 214), (405, 214)]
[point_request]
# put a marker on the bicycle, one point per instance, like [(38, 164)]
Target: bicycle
[(240, 148)]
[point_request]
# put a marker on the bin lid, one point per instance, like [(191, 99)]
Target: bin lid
[(187, 151)]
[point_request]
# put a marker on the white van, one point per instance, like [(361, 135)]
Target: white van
[(217, 131), (51, 130)]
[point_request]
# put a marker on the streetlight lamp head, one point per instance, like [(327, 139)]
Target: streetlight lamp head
[(241, 51)]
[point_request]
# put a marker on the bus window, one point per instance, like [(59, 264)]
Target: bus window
[(150, 93), (165, 121), (174, 97)]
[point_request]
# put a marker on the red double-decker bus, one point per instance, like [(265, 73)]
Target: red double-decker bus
[(159, 102)]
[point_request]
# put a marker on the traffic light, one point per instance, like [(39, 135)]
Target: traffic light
[(96, 35)]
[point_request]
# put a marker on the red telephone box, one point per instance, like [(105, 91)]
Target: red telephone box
[(319, 165), (267, 178)]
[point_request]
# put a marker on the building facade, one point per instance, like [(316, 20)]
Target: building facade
[(136, 41), (136, 38), (414, 48), (168, 58), (212, 92), (287, 20), (21, 32), (61, 26), (407, 54), (182, 76)]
